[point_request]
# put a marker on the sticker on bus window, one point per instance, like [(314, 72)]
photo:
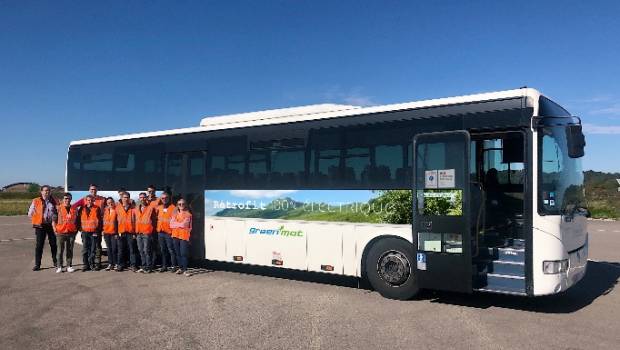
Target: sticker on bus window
[(430, 179), (445, 178), (421, 261)]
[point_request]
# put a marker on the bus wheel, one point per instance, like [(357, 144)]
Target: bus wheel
[(389, 269)]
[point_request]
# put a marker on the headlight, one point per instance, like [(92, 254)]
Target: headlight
[(555, 267)]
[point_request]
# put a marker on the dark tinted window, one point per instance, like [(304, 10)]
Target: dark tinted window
[(227, 160), (548, 108)]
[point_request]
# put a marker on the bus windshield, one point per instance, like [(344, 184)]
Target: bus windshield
[(561, 187)]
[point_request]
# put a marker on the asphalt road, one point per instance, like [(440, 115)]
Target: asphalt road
[(226, 309)]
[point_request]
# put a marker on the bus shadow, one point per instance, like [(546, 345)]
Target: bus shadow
[(600, 279), (304, 276)]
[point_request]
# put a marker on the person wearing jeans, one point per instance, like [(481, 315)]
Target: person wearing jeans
[(89, 222), (166, 243), (181, 225), (145, 219), (96, 237), (110, 232), (42, 212), (126, 225), (65, 227)]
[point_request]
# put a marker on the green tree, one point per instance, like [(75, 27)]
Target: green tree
[(34, 187)]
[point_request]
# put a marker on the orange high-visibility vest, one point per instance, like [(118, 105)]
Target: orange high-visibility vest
[(144, 219), (89, 221), (37, 215), (109, 221), (126, 219), (163, 218), (67, 220), (181, 225), (154, 202)]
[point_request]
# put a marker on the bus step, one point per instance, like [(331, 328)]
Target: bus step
[(510, 254), (510, 268), (500, 291), (507, 283)]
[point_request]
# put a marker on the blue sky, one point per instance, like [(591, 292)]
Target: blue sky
[(74, 70)]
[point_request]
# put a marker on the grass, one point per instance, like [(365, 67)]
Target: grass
[(11, 207), (17, 203)]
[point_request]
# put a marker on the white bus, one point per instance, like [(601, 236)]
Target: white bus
[(472, 193)]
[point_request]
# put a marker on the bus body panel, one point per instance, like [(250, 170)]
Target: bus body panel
[(331, 247)]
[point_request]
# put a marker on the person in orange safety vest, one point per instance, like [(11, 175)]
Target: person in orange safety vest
[(110, 232), (65, 227), (42, 212), (145, 219), (99, 202), (181, 225), (126, 221), (89, 222), (166, 243)]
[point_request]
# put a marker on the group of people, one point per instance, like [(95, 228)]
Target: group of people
[(140, 229)]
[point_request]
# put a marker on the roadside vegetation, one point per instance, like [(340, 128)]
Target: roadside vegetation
[(17, 203), (602, 196)]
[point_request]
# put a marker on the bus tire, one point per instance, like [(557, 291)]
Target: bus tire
[(390, 269)]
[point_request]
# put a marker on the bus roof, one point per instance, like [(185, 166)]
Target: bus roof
[(315, 112)]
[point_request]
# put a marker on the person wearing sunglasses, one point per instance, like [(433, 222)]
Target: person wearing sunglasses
[(181, 225)]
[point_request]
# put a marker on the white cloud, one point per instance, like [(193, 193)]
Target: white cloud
[(613, 109), (352, 96), (601, 129), (358, 100), (255, 194)]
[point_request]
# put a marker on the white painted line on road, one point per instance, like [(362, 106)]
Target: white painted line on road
[(601, 230), (17, 239), (617, 231)]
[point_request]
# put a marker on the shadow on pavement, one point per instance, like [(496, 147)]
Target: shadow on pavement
[(600, 279), (305, 276)]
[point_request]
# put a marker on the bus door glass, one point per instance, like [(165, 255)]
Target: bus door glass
[(442, 237)]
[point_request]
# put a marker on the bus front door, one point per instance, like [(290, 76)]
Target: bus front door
[(441, 229)]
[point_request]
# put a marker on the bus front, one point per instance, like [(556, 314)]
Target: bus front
[(560, 237)]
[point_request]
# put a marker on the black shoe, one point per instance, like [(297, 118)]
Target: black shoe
[(163, 269), (36, 268), (97, 268), (55, 263), (84, 269)]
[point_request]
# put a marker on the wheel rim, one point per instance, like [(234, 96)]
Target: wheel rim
[(394, 268)]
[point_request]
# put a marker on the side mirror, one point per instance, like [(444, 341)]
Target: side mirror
[(575, 140)]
